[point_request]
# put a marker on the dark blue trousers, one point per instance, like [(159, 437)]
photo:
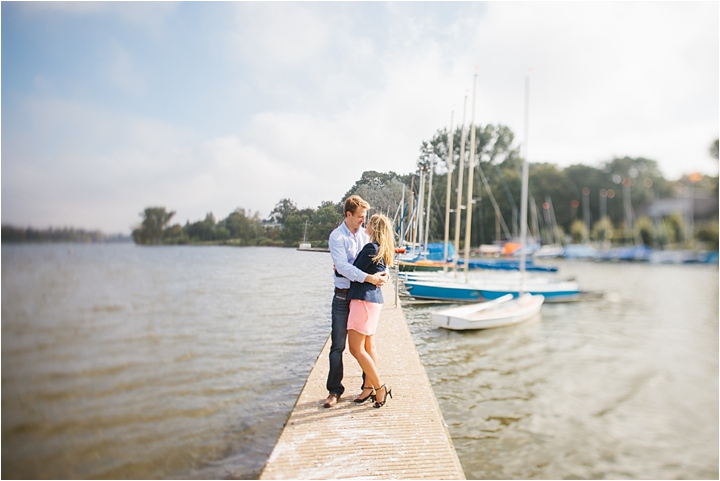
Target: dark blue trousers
[(338, 338)]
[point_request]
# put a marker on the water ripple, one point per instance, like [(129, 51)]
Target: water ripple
[(590, 390)]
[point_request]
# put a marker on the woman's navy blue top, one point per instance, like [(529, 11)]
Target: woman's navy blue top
[(364, 290)]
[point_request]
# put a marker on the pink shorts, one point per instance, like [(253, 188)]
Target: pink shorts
[(364, 316)]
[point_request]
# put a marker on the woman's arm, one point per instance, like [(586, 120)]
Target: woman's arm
[(339, 255), (364, 262)]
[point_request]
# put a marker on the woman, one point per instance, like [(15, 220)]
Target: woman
[(365, 303)]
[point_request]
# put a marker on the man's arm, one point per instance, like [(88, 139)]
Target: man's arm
[(364, 261), (339, 257)]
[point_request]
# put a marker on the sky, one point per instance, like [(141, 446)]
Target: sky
[(109, 107)]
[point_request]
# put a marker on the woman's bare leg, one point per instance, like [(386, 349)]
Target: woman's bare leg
[(370, 349), (356, 342)]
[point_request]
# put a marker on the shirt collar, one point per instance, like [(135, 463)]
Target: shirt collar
[(347, 229)]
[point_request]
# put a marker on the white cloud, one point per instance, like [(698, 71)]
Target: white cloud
[(328, 92), (279, 35), (609, 78)]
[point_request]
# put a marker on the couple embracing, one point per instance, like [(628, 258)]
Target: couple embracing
[(361, 257)]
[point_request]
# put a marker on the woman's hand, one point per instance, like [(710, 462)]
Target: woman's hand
[(377, 279)]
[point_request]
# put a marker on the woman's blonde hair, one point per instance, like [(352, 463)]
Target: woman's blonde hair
[(382, 232)]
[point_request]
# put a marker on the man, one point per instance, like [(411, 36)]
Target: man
[(345, 242)]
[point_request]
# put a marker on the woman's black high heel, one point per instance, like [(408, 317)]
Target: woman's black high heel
[(388, 393), (369, 396)]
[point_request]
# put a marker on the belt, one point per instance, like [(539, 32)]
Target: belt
[(341, 291)]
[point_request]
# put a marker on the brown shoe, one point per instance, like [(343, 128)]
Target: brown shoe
[(331, 400)]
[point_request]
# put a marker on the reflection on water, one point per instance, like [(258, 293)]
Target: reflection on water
[(626, 387), (184, 362), (130, 362)]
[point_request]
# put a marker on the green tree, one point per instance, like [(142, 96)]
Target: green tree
[(294, 227), (174, 235), (493, 144), (587, 182), (554, 186), (203, 230), (645, 230), (242, 226), (603, 230), (499, 164), (674, 226), (662, 237), (155, 219), (221, 233), (371, 181), (383, 196), (645, 176), (707, 233), (282, 210), (324, 220), (578, 231)]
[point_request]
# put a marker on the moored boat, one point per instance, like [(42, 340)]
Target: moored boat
[(504, 311), (506, 265), (443, 291), (476, 291)]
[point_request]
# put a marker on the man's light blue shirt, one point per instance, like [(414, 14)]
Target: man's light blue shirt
[(344, 248)]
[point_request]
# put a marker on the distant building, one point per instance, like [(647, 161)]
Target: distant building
[(700, 207), (666, 207)]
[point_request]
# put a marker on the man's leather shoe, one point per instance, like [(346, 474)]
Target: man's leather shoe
[(331, 400)]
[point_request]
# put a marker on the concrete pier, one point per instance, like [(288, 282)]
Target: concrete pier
[(405, 439)]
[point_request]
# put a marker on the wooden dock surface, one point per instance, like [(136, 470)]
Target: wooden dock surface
[(405, 439)]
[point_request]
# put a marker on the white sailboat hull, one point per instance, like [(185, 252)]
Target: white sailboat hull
[(498, 313)]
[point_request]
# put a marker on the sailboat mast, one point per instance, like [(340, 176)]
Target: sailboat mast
[(468, 216), (524, 194), (458, 207), (429, 206), (411, 220), (449, 187), (421, 208), (401, 237), (535, 232)]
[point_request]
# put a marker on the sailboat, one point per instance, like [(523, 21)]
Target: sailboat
[(436, 256), (563, 291), (508, 308), (553, 248), (504, 311), (484, 287), (304, 245)]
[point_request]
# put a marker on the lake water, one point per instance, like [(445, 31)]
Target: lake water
[(621, 388), (121, 361)]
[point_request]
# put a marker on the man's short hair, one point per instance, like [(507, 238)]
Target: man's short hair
[(353, 202)]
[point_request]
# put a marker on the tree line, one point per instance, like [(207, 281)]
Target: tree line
[(66, 234), (578, 203), (565, 209), (286, 226)]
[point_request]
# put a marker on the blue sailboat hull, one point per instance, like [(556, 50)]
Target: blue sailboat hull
[(549, 296), (444, 293), (505, 265), (462, 293)]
